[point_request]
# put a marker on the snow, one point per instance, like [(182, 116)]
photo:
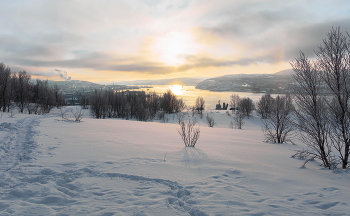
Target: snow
[(120, 167)]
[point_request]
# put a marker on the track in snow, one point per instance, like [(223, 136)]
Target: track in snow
[(27, 188), (19, 145)]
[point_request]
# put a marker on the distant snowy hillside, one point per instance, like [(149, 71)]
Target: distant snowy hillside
[(119, 167), (273, 83), (285, 72), (180, 81)]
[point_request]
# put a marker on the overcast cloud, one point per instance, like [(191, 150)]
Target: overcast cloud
[(134, 39)]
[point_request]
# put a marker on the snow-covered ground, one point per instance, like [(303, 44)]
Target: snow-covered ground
[(119, 167)]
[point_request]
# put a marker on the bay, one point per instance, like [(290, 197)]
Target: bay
[(189, 94)]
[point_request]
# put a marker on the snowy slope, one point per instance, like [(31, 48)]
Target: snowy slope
[(120, 167)]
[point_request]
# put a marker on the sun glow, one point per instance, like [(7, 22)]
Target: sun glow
[(176, 89), (173, 47)]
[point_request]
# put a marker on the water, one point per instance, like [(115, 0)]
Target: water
[(189, 95)]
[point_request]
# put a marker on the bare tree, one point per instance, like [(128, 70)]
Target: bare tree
[(189, 133), (43, 96), (234, 102), (246, 106), (57, 96), (38, 98), (98, 104), (264, 106), (193, 111), (133, 104), (311, 114), (170, 103), (83, 96), (23, 90), (333, 60), (11, 93), (332, 66), (278, 125), (238, 120), (5, 81), (153, 102), (200, 105)]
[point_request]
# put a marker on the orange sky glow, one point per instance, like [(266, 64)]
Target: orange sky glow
[(112, 41)]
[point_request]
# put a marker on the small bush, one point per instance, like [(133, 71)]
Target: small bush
[(77, 114), (210, 120), (189, 133)]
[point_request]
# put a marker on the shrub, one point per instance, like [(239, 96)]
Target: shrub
[(189, 133), (77, 114), (210, 120)]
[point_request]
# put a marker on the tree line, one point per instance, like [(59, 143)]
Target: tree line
[(17, 91), (137, 105)]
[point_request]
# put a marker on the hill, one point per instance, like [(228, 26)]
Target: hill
[(271, 83), (118, 167), (180, 81)]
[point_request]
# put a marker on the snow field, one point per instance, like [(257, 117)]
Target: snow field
[(117, 167)]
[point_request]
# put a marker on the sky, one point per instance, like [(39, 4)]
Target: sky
[(107, 41)]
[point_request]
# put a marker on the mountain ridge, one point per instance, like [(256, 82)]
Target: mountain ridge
[(271, 83)]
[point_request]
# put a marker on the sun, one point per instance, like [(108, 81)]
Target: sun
[(176, 89), (173, 47)]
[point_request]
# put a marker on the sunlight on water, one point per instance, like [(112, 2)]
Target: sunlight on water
[(176, 89), (189, 94)]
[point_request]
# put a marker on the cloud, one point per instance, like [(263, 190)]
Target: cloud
[(248, 25), (286, 42), (272, 26), (308, 37), (100, 36), (53, 73), (92, 60), (204, 62), (13, 46), (191, 62), (102, 62)]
